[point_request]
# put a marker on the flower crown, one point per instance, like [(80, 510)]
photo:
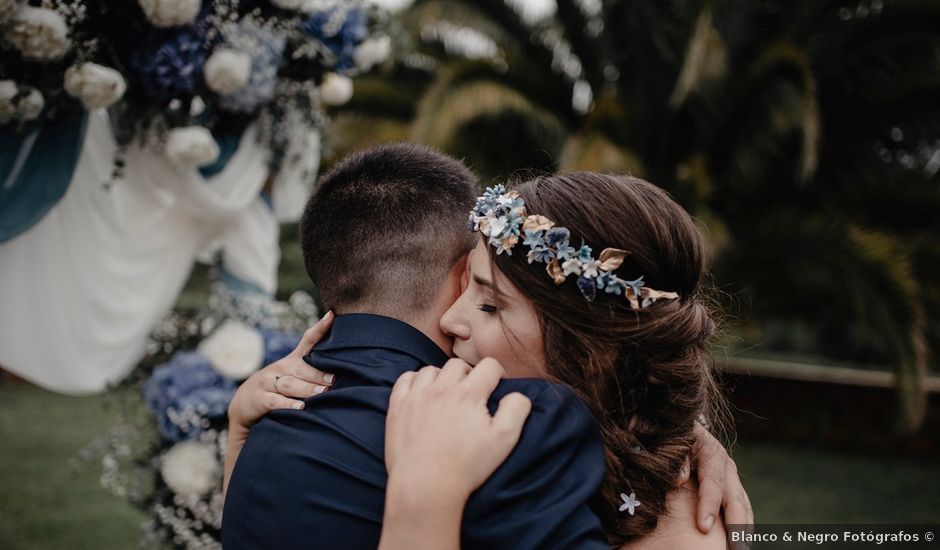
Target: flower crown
[(502, 217)]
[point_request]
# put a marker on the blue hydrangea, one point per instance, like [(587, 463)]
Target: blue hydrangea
[(170, 64), (184, 391), (342, 39), (266, 50), (278, 344)]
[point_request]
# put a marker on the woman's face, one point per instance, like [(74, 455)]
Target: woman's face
[(494, 319)]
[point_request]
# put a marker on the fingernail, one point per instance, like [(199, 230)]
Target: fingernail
[(709, 521), (329, 378), (329, 313), (319, 390), (299, 405)]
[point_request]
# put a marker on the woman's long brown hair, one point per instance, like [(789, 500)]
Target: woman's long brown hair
[(646, 374)]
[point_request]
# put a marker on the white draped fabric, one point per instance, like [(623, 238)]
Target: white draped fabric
[(81, 290)]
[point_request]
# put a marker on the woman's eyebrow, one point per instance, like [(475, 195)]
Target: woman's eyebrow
[(488, 284)]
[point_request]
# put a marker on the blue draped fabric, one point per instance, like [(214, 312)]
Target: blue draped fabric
[(36, 166), (228, 144)]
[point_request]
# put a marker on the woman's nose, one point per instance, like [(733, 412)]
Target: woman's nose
[(452, 322)]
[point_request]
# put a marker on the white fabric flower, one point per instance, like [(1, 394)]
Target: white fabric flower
[(40, 34), (289, 4), (571, 266), (498, 225), (191, 147), (235, 350), (190, 468), (96, 86), (227, 70), (336, 89), (372, 52), (170, 13), (590, 268)]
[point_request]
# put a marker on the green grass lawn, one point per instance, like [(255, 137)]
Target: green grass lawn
[(44, 505)]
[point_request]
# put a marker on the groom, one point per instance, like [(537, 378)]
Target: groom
[(385, 240)]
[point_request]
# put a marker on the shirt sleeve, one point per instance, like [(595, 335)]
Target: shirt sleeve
[(540, 496)]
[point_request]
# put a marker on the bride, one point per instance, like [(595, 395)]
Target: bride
[(625, 327)]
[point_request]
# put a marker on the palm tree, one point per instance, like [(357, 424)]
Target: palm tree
[(805, 136)]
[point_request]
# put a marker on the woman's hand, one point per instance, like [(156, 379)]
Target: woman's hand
[(441, 444), (259, 395), (719, 485)]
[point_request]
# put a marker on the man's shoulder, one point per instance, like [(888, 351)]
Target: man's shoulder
[(548, 398)]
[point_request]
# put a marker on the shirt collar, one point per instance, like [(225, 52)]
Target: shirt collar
[(374, 348)]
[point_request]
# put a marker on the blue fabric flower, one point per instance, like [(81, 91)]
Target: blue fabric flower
[(636, 285), (342, 39), (587, 288), (564, 251), (170, 64), (613, 284), (556, 235), (533, 238), (541, 254), (584, 253), (183, 392)]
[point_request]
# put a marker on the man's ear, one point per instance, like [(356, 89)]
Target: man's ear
[(457, 278)]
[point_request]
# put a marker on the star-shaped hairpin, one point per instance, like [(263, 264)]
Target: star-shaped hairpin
[(629, 503)]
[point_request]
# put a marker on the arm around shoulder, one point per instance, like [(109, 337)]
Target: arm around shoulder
[(541, 495)]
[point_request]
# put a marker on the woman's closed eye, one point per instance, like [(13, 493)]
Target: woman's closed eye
[(487, 308)]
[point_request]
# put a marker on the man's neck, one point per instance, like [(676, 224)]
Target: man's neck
[(428, 324)]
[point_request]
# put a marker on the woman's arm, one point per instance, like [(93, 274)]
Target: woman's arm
[(441, 444), (258, 395)]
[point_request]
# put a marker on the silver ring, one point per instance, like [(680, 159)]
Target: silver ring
[(276, 378)]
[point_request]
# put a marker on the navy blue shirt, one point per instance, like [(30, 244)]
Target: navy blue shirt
[(316, 478)]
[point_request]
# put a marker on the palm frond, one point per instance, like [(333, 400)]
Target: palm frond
[(836, 271)]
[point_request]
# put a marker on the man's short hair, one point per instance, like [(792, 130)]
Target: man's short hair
[(385, 226)]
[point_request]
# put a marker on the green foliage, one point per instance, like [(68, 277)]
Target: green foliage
[(799, 133)]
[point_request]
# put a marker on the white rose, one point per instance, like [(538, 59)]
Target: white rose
[(190, 468), (227, 70), (6, 8), (336, 89), (191, 147), (40, 34), (7, 91), (31, 106), (235, 350), (96, 86), (289, 4), (171, 13), (372, 52)]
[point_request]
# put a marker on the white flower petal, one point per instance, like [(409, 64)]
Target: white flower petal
[(235, 350)]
